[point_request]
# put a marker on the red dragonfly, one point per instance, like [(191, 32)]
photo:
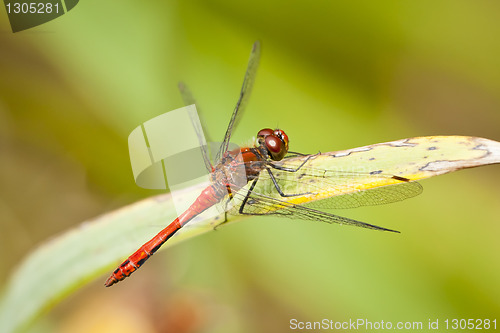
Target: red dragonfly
[(267, 155)]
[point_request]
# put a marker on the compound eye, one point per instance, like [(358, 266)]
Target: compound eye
[(265, 132), (273, 144), (282, 135), (275, 147)]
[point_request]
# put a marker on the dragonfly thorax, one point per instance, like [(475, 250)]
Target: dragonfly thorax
[(275, 142)]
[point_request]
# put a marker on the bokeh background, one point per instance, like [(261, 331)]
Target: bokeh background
[(334, 75)]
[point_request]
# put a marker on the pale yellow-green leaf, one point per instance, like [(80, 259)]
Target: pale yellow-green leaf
[(69, 261), (373, 166)]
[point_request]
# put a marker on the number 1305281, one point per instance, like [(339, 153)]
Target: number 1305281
[(471, 324), (32, 8)]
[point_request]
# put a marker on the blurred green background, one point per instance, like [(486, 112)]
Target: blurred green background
[(334, 75)]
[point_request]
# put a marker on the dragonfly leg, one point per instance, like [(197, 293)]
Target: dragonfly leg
[(278, 187), (244, 202), (225, 212), (277, 167), (223, 222), (291, 154)]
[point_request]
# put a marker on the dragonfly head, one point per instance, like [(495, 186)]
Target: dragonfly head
[(274, 141)]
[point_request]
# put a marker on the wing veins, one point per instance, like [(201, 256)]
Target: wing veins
[(338, 182), (245, 91), (290, 210)]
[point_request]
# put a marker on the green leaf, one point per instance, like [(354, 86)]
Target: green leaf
[(69, 261)]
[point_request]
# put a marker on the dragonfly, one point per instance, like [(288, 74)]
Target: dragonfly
[(275, 181)]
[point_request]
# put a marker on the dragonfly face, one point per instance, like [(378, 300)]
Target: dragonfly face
[(274, 141)]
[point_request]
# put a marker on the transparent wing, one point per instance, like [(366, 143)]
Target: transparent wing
[(246, 89), (323, 182), (330, 189), (372, 197), (186, 94), (259, 204), (188, 99), (312, 188)]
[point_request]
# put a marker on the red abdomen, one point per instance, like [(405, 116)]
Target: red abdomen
[(206, 199)]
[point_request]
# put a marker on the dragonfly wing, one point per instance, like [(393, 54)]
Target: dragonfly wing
[(258, 204), (372, 197), (337, 189), (186, 94), (188, 99), (246, 89)]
